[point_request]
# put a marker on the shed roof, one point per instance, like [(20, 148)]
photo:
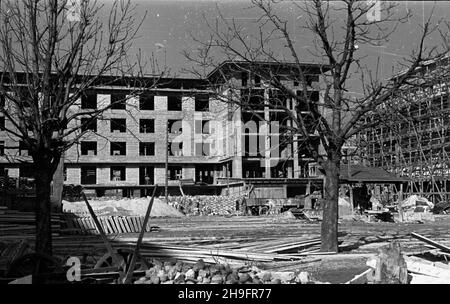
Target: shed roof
[(359, 173)]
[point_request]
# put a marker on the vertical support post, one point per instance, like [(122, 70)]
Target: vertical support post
[(351, 197), (228, 179), (308, 204), (166, 180)]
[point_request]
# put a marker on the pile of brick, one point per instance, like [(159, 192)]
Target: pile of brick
[(207, 204), (170, 272)]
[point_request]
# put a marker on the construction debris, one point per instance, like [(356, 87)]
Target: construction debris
[(208, 204), (273, 243), (171, 272), (415, 208), (431, 242), (393, 267), (390, 266)]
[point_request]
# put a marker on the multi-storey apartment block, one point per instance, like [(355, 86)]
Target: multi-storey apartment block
[(207, 138)]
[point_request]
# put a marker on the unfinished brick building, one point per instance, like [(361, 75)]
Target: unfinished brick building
[(411, 133), (126, 146)]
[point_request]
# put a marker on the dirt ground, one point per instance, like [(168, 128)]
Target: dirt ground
[(359, 238), (336, 270)]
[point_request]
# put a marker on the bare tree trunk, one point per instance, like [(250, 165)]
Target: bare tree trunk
[(43, 209), (58, 185), (329, 228)]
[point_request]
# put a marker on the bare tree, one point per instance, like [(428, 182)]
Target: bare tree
[(338, 29), (51, 53)]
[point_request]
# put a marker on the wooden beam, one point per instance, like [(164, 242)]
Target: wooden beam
[(361, 278), (430, 242), (424, 267), (111, 251), (129, 274)]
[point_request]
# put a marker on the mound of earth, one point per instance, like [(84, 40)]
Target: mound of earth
[(123, 207)]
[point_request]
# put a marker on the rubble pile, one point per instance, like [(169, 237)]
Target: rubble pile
[(415, 208), (391, 266), (171, 272), (207, 204)]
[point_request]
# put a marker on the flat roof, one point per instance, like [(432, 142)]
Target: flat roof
[(236, 65)]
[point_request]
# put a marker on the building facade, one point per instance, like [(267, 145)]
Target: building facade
[(189, 122)]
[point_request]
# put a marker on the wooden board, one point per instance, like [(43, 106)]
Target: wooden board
[(431, 242), (116, 222), (127, 225)]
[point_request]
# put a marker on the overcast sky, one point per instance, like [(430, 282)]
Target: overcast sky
[(169, 23)]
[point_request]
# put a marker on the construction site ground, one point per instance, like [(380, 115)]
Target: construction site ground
[(261, 241), (359, 239)]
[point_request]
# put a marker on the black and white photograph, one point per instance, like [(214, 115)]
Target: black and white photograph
[(208, 144)]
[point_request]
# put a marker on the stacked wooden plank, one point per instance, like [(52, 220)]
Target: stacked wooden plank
[(230, 250), (20, 223), (110, 224), (9, 252)]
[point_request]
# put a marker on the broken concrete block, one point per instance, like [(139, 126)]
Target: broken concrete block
[(199, 265), (185, 268), (179, 266), (206, 281), (303, 277), (163, 277), (172, 273), (190, 274), (179, 278), (287, 276), (155, 280), (244, 277), (217, 279), (158, 263), (160, 273), (203, 273), (265, 276), (150, 272), (158, 268), (233, 274), (167, 268), (213, 270)]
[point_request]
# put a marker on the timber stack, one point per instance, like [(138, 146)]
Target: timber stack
[(23, 224)]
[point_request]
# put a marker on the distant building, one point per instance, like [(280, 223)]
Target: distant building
[(415, 142)]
